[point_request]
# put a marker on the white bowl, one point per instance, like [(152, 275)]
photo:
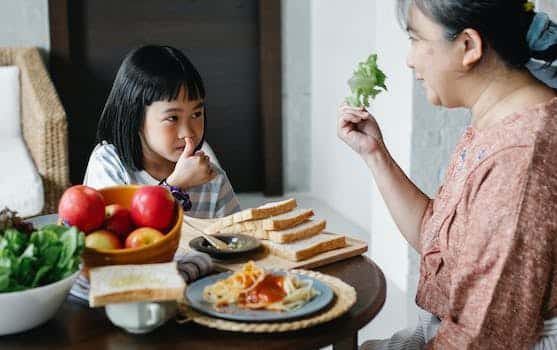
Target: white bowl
[(141, 317), (32, 307)]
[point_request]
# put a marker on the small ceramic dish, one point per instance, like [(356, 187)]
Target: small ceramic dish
[(241, 246), (141, 317)]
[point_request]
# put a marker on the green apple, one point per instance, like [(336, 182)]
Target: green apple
[(102, 239)]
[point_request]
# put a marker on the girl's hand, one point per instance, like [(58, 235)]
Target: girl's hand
[(191, 169), (359, 130)]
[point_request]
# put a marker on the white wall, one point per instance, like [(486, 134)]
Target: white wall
[(393, 111), (338, 41), (24, 23), (549, 6), (344, 32)]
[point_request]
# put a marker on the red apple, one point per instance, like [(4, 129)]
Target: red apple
[(102, 239), (83, 207), (118, 220), (152, 206), (143, 236)]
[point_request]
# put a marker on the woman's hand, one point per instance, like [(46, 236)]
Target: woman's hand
[(191, 169), (359, 130), (407, 204)]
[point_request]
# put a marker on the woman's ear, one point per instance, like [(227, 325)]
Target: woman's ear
[(473, 47)]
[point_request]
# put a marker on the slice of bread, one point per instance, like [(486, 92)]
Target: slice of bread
[(306, 248), (264, 211), (128, 283), (278, 222), (304, 230), (287, 220)]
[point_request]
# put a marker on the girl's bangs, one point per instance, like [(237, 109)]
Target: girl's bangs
[(170, 89)]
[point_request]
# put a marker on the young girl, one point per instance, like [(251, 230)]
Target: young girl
[(152, 129), (487, 241)]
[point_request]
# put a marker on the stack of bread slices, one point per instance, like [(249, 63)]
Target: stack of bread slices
[(287, 231)]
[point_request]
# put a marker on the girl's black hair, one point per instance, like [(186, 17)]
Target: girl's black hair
[(147, 74), (503, 25)]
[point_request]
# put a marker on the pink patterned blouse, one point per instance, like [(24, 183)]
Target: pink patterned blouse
[(489, 238)]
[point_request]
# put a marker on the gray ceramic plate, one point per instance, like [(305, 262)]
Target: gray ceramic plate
[(41, 220), (247, 246), (194, 295)]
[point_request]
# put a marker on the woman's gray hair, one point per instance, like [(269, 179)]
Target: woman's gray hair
[(503, 25)]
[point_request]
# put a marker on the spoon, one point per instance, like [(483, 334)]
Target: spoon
[(214, 241)]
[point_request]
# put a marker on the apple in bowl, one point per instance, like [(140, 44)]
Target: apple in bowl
[(118, 220), (143, 236), (158, 251), (83, 207), (102, 239), (152, 206)]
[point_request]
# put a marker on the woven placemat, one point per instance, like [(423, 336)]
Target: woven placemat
[(345, 297)]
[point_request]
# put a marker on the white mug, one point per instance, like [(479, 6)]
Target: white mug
[(140, 317)]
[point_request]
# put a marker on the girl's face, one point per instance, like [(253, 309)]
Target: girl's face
[(167, 124), (433, 59)]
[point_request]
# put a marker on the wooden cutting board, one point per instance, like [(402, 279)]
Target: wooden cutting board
[(266, 260)]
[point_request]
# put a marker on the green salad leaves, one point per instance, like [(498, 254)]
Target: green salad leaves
[(367, 82), (45, 256)]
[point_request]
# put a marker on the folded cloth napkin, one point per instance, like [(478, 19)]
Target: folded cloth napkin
[(193, 265)]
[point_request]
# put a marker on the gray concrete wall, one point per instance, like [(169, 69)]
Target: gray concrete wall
[(24, 23), (296, 96)]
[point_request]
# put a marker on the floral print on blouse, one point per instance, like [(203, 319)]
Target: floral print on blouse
[(488, 240)]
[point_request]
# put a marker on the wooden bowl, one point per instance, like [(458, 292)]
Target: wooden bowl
[(160, 251)]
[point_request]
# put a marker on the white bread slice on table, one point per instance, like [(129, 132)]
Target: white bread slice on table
[(258, 228), (304, 230), (287, 220), (306, 248), (264, 211), (128, 283)]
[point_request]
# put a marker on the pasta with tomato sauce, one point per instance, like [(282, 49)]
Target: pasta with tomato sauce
[(253, 288)]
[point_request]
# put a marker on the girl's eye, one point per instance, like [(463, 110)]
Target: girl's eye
[(196, 115), (172, 118)]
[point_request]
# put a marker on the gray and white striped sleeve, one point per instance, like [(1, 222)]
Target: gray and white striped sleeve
[(227, 202), (105, 168)]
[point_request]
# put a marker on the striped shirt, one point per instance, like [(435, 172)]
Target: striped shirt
[(215, 198)]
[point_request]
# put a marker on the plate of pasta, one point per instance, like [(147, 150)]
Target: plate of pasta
[(256, 295)]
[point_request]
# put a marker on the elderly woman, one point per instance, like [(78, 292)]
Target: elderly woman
[(488, 240)]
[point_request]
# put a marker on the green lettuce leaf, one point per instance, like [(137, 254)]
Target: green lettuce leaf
[(367, 82), (48, 255)]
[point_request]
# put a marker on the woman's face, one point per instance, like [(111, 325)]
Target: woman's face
[(168, 123), (433, 59)]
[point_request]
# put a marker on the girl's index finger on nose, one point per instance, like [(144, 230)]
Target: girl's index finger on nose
[(189, 147)]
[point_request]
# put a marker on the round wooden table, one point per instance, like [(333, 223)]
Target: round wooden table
[(76, 326)]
